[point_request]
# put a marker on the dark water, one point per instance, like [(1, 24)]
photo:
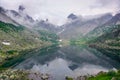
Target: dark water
[(68, 61)]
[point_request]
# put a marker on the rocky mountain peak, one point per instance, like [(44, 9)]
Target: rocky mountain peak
[(72, 16), (21, 8), (2, 9), (118, 15)]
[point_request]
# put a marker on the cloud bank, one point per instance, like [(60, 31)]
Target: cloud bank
[(57, 10)]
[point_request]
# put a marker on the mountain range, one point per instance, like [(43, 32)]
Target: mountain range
[(22, 18), (82, 26), (77, 27), (20, 34)]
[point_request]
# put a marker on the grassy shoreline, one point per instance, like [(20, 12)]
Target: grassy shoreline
[(23, 55)]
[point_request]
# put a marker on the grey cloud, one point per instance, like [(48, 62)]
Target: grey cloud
[(104, 3), (109, 2), (58, 10)]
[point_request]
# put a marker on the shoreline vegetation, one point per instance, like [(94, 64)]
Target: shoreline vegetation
[(15, 74), (10, 55), (14, 60), (111, 75), (22, 75)]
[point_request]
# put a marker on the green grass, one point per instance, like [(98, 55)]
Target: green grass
[(7, 27), (106, 76), (14, 75), (21, 39)]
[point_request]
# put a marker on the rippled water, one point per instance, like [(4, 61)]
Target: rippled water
[(68, 61)]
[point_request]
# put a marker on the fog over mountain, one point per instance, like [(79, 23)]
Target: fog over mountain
[(59, 39), (57, 10)]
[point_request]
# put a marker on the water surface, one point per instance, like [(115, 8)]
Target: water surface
[(68, 61)]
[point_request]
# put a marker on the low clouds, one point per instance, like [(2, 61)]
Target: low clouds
[(57, 10), (108, 5)]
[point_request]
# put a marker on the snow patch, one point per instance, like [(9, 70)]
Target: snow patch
[(6, 43)]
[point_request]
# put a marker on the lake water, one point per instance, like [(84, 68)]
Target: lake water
[(68, 61)]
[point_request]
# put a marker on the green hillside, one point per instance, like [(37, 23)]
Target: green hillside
[(111, 38), (14, 39)]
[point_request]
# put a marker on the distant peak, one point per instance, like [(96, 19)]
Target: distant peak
[(117, 15), (21, 8), (72, 16), (2, 9)]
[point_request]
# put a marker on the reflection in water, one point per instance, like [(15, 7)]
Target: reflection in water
[(68, 61), (59, 68)]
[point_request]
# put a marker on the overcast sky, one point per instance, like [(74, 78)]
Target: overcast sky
[(57, 10)]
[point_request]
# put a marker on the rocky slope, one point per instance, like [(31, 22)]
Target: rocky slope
[(79, 26), (21, 18), (100, 30), (107, 27)]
